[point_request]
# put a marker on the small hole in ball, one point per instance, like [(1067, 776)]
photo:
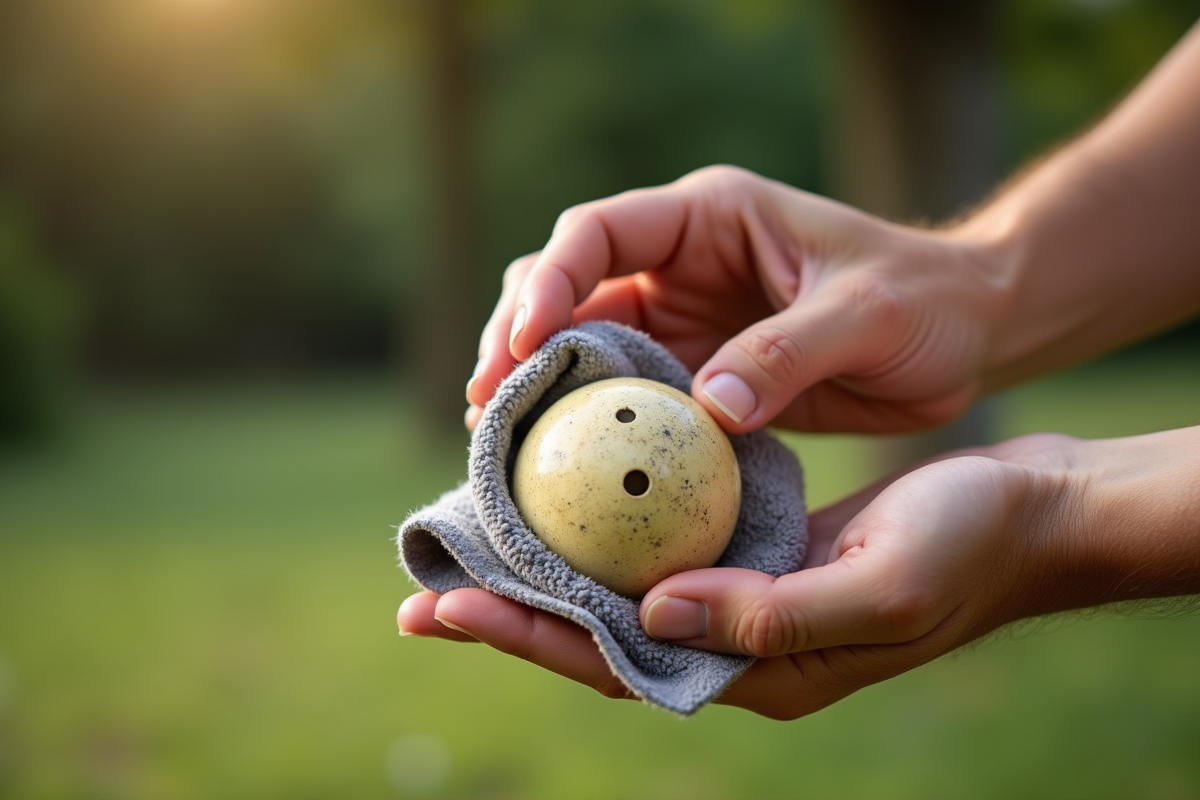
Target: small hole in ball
[(626, 415), (637, 483)]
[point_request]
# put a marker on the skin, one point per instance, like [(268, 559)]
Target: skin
[(832, 320)]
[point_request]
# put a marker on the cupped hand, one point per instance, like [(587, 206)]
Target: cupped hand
[(897, 575), (789, 308)]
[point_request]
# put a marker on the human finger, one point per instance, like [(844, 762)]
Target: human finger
[(853, 600), (494, 360), (852, 325), (842, 405), (615, 300), (631, 232), (416, 616), (536, 636), (925, 549)]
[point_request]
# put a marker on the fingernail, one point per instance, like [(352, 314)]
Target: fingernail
[(676, 618), (731, 394), (517, 324), (452, 626), (400, 613)]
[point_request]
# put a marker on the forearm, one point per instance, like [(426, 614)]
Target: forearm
[(1100, 244)]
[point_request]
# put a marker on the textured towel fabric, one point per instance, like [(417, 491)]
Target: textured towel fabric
[(473, 535)]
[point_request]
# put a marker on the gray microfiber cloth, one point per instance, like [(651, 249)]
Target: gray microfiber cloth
[(473, 536)]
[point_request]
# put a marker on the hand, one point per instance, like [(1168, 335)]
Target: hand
[(896, 576), (902, 572), (788, 307)]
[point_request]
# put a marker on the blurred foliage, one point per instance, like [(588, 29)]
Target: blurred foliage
[(584, 100), (245, 185), (39, 317), (165, 149), (1067, 63)]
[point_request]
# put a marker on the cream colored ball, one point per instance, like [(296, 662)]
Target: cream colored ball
[(630, 481)]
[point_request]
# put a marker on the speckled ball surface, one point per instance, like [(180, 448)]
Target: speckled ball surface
[(629, 481)]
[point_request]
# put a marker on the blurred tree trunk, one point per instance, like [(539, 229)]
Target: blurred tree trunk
[(918, 137), (447, 312)]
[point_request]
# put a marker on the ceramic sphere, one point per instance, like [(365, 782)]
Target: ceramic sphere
[(630, 481)]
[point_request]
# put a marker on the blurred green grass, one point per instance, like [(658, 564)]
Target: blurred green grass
[(197, 597)]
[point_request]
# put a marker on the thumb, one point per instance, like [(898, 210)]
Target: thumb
[(835, 330), (848, 601)]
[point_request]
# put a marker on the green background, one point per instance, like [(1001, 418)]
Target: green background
[(201, 603), (216, 248)]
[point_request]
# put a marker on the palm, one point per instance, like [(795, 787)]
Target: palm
[(691, 308)]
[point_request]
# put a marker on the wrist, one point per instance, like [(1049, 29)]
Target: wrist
[(1086, 258), (1114, 521), (991, 250)]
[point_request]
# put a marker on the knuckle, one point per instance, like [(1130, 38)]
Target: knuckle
[(777, 354), (766, 630), (907, 612), (873, 296), (570, 216), (724, 174), (516, 271), (522, 647), (527, 634)]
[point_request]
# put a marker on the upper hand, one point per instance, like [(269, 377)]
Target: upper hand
[(788, 307)]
